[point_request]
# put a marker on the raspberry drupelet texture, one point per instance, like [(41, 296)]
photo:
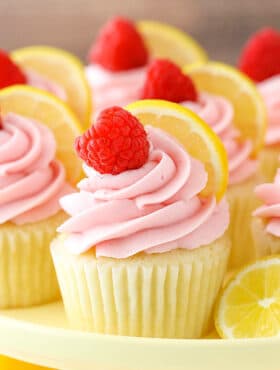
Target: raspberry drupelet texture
[(10, 73), (260, 58), (119, 46), (165, 80), (115, 143)]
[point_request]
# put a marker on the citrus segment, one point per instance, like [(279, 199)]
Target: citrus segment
[(62, 68), (198, 139), (249, 307), (164, 41), (249, 110), (46, 109)]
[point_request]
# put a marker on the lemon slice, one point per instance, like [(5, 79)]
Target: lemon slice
[(194, 134), (62, 68), (47, 109), (164, 41), (249, 110), (249, 307)]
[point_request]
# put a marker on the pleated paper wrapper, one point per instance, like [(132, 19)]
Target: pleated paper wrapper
[(169, 295), (27, 275)]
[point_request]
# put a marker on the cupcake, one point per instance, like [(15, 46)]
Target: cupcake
[(164, 80), (119, 57), (266, 222), (260, 60), (49, 69), (12, 74), (143, 252), (32, 180)]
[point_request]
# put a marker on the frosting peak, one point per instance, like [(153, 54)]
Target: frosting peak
[(152, 209), (31, 180), (269, 194), (114, 88), (218, 113), (42, 82)]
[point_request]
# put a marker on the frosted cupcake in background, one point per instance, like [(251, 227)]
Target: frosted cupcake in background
[(266, 223), (52, 70), (12, 74), (143, 252), (119, 57), (260, 60), (164, 80), (118, 61), (32, 180)]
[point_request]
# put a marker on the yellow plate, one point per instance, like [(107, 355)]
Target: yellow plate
[(41, 335)]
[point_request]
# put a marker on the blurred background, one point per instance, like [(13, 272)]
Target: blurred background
[(221, 26)]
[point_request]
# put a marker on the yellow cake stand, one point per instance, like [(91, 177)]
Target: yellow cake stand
[(41, 335)]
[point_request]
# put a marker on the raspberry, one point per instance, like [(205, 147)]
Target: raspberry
[(115, 143), (119, 46), (260, 58), (164, 80), (10, 73)]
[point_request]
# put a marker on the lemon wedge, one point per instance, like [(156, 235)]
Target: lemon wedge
[(249, 307), (193, 133), (52, 112), (65, 70)]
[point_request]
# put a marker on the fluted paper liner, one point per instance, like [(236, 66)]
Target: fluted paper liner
[(168, 295), (265, 244), (242, 203), (269, 162), (27, 275)]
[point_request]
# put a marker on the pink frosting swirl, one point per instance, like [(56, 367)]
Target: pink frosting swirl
[(41, 82), (269, 194), (270, 90), (218, 113), (31, 180), (114, 88), (153, 209)]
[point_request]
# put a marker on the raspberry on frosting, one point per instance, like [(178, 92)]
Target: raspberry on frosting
[(115, 143), (10, 73), (119, 46), (165, 80), (260, 58)]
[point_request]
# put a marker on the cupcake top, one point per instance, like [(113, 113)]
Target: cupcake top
[(269, 194), (142, 196), (12, 74), (31, 179), (260, 60), (165, 80), (118, 61)]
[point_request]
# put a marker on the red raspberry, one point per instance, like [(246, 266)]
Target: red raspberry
[(165, 80), (10, 73), (260, 58), (115, 143), (119, 46)]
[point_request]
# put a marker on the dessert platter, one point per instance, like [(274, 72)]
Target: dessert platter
[(140, 204)]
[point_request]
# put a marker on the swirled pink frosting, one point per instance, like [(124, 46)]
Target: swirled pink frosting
[(114, 88), (153, 209), (31, 180), (41, 82), (218, 113), (270, 90), (269, 194)]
